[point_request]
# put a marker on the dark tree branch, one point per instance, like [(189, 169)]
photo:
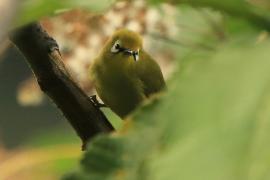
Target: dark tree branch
[(42, 54)]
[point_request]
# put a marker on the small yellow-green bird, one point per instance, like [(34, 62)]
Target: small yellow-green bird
[(124, 74)]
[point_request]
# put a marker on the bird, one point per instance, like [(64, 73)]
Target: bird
[(124, 74)]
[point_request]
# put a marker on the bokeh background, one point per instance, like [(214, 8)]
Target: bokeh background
[(30, 124), (213, 121)]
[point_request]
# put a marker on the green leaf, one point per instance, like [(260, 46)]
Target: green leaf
[(32, 10), (255, 14), (220, 122)]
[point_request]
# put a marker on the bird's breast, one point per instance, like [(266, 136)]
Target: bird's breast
[(119, 89)]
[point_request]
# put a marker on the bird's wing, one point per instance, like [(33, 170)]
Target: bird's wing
[(150, 74)]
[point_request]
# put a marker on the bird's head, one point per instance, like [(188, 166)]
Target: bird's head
[(125, 44)]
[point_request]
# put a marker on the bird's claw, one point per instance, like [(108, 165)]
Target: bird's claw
[(94, 100)]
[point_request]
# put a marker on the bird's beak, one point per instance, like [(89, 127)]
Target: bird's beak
[(135, 54)]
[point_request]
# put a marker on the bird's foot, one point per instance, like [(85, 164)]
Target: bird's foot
[(94, 100)]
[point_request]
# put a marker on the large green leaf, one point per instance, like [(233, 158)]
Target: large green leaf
[(219, 118)]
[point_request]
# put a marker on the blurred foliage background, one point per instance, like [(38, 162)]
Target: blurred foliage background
[(212, 123)]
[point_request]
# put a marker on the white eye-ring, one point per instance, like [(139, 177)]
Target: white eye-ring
[(116, 47)]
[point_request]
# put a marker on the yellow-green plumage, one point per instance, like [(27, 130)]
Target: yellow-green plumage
[(121, 82)]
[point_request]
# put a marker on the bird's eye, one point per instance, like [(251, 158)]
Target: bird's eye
[(116, 47)]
